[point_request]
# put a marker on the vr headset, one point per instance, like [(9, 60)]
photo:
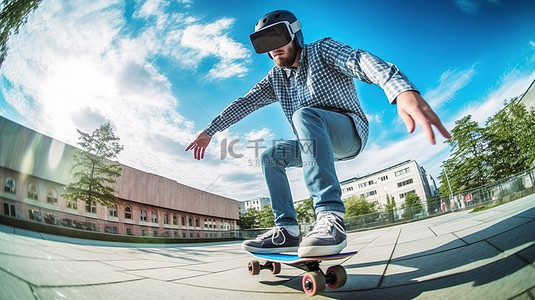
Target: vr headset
[(274, 36)]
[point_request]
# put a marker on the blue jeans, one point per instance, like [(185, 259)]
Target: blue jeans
[(322, 137)]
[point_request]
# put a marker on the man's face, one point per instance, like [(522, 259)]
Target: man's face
[(284, 56)]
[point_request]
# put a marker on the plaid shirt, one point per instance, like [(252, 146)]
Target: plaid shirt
[(324, 79)]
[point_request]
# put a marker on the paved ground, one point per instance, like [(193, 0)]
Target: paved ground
[(485, 255)]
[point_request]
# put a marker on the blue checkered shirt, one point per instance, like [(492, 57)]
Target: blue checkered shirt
[(324, 79)]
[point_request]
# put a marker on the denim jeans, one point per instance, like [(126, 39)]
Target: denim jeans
[(322, 137)]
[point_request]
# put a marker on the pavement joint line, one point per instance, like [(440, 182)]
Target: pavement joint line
[(297, 292), (528, 292), (89, 284), (433, 231), (389, 259)]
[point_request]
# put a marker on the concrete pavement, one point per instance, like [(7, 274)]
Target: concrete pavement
[(461, 255)]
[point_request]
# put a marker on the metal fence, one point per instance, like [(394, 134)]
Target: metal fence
[(505, 190)]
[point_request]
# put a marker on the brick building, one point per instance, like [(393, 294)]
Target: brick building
[(34, 168)]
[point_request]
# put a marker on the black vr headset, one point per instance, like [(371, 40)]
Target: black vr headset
[(276, 29)]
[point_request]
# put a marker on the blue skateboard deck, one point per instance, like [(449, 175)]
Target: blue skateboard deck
[(291, 259)]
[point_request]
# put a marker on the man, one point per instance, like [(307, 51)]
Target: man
[(314, 85)]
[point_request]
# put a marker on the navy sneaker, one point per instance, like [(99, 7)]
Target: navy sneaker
[(276, 240), (327, 238)]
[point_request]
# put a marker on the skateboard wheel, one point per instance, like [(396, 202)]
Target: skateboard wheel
[(336, 277), (254, 267), (313, 283), (275, 268)]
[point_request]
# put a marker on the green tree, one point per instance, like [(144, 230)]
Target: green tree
[(412, 206), (14, 14), (511, 136), (390, 207), (248, 219), (93, 173), (356, 206), (467, 166), (305, 211), (266, 218)]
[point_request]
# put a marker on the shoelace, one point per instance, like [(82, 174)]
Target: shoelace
[(275, 233), (324, 224)]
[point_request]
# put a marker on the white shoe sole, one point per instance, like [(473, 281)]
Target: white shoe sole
[(321, 250), (269, 250)]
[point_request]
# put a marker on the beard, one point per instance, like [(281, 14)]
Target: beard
[(287, 61)]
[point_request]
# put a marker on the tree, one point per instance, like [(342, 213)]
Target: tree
[(248, 219), (468, 166), (390, 207), (93, 173), (14, 14), (305, 211), (266, 218), (412, 205), (356, 206), (511, 133)]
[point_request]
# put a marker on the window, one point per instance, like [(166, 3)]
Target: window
[(370, 193), (154, 218), (166, 219), (183, 221), (197, 223), (401, 196), (404, 183), (128, 213), (90, 207), (112, 212), (34, 215), (72, 204), (401, 172), (52, 196), (365, 184), (33, 191), (190, 222), (175, 220), (10, 186), (383, 178), (9, 209), (143, 216)]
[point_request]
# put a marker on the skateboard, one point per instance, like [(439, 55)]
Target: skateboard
[(315, 280)]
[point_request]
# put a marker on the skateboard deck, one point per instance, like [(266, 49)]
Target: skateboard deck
[(315, 280)]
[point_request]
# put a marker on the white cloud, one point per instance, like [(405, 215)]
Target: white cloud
[(531, 58), (446, 88), (82, 68), (473, 6), (417, 147)]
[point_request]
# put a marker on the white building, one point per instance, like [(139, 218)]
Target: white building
[(397, 181), (528, 98), (257, 204)]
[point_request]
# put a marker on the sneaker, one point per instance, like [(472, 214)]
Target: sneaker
[(327, 238), (277, 240)]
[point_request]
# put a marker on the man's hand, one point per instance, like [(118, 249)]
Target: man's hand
[(412, 107), (199, 145)]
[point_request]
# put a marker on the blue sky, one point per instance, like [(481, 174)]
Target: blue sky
[(160, 70)]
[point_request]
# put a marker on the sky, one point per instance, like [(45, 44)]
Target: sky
[(159, 71)]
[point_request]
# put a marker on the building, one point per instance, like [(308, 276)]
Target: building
[(34, 168), (397, 181), (257, 204), (528, 98)]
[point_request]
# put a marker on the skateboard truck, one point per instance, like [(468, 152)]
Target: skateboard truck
[(314, 280)]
